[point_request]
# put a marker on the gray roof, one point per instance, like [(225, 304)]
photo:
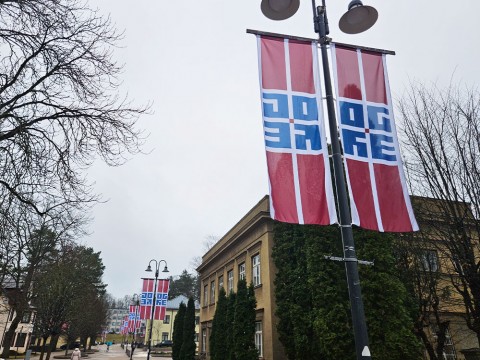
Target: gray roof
[(175, 302)]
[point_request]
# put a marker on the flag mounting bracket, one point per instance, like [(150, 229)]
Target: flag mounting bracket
[(362, 262)]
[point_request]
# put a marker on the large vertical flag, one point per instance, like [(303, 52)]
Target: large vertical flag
[(161, 299), (133, 319), (295, 140), (378, 193)]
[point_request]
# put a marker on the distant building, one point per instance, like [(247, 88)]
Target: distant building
[(115, 319), (23, 334), (163, 329)]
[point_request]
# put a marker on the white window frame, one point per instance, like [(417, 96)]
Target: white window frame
[(212, 292), (205, 295), (230, 281), (429, 259), (241, 271), (256, 270), (220, 282), (204, 340), (259, 338)]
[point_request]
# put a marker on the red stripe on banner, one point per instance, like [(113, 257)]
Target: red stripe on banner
[(361, 188), (391, 201), (374, 78), (273, 64), (301, 66), (311, 174), (348, 75), (280, 172)]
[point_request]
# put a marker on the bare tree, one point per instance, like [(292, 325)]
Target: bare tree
[(30, 243), (59, 101), (442, 142)]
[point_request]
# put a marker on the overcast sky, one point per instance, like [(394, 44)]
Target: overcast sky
[(206, 165)]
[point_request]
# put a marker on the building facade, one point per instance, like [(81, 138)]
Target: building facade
[(245, 252), (115, 320), (162, 330), (24, 332)]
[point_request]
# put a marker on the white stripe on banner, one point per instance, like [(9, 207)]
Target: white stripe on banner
[(373, 182), (406, 195), (296, 181)]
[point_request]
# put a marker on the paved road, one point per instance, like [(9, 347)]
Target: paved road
[(117, 353)]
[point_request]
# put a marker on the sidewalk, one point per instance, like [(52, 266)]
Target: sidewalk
[(117, 353)]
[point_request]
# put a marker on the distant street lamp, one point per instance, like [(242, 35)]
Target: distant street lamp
[(149, 269), (136, 303), (357, 19)]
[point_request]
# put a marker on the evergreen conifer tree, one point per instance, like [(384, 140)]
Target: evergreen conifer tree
[(244, 323), (178, 331), (187, 352), (230, 353), (218, 338), (312, 296)]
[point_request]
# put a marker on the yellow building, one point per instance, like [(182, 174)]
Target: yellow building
[(23, 334), (163, 329), (245, 251)]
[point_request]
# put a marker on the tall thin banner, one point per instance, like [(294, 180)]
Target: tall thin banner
[(124, 327), (133, 319), (295, 140), (161, 299), (378, 192)]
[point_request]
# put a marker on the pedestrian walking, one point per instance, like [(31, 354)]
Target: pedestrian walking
[(76, 354)]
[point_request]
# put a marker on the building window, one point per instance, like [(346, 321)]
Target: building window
[(429, 260), (259, 338), (21, 337), (256, 270), (241, 271), (204, 340), (212, 292), (195, 338), (230, 281), (449, 352), (197, 320), (164, 336), (26, 317), (220, 282), (166, 320), (205, 295)]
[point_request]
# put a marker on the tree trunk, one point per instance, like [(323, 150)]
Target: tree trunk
[(43, 347), (10, 334)]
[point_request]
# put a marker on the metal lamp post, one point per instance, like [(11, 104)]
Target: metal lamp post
[(136, 302), (149, 269), (357, 19)]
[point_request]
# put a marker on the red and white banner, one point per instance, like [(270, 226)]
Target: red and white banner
[(379, 198), (133, 319), (147, 298), (295, 140)]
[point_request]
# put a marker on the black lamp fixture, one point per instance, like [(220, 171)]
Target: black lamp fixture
[(358, 18), (279, 9)]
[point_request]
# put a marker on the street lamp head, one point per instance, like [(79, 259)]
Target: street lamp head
[(279, 9), (165, 269), (358, 18), (149, 268)]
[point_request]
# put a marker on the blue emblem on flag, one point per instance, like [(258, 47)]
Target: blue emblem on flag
[(303, 127), (376, 135), (147, 299)]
